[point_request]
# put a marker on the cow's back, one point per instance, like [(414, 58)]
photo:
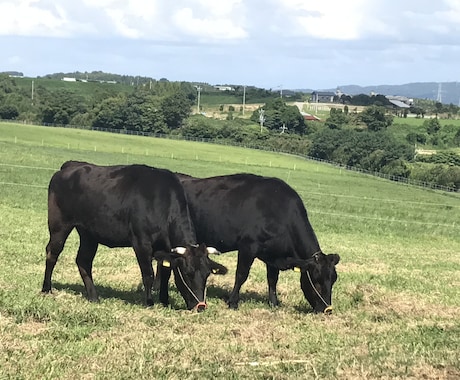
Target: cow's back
[(228, 209), (118, 203)]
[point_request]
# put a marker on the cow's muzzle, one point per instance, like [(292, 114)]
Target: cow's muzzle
[(201, 306)]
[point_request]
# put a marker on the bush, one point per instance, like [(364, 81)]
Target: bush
[(414, 138), (8, 112), (443, 175)]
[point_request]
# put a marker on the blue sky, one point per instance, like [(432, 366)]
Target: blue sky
[(288, 44)]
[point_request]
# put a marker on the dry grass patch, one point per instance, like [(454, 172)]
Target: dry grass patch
[(376, 268)]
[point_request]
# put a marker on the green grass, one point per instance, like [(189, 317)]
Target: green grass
[(417, 122), (397, 309)]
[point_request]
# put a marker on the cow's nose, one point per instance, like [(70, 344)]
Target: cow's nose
[(201, 307)]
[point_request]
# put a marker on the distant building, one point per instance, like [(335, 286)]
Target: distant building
[(400, 101), (69, 79), (322, 97), (224, 88), (13, 74)]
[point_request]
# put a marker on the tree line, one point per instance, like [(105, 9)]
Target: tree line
[(361, 140)]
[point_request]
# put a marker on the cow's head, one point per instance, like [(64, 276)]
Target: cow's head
[(317, 277), (192, 266)]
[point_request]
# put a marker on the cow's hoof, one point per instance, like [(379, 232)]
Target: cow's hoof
[(233, 305), (149, 303)]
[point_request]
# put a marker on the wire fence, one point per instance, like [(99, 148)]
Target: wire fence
[(399, 179)]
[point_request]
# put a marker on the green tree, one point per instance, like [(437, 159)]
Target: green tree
[(8, 112), (432, 126), (109, 114), (7, 84), (414, 137), (376, 118), (418, 111), (367, 150), (277, 114), (60, 106), (337, 119)]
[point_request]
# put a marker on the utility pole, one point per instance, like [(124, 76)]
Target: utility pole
[(244, 98), (261, 118), (198, 105)]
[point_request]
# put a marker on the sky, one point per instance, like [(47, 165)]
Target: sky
[(273, 44)]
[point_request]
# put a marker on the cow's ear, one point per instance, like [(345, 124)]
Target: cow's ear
[(165, 259), (217, 268), (161, 255), (333, 258)]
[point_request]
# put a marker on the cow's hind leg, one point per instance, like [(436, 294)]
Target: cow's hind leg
[(143, 250), (84, 260), (272, 278), (58, 236), (245, 260)]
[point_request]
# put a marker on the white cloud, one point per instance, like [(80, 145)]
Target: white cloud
[(332, 19), (33, 18), (24, 17), (14, 60), (279, 38), (211, 28), (189, 21)]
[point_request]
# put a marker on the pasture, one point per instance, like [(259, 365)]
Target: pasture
[(396, 301)]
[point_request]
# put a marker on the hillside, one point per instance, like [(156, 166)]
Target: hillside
[(446, 92), (449, 92)]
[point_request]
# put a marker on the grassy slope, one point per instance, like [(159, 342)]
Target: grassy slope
[(86, 90), (396, 300)]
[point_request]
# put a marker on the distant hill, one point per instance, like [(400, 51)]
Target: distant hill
[(449, 91)]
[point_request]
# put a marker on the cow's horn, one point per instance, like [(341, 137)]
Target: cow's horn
[(213, 250), (179, 250)]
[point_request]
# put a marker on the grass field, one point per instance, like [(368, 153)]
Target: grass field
[(397, 299), (84, 89)]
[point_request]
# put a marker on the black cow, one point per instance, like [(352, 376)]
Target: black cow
[(265, 218), (127, 206)]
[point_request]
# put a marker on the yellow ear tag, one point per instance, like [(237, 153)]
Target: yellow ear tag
[(214, 271), (296, 269), (166, 263)]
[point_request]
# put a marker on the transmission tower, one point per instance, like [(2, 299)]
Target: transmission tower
[(439, 97)]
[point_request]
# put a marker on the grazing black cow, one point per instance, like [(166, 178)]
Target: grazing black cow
[(127, 206), (265, 218)]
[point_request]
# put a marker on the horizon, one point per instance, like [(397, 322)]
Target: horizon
[(10, 72)]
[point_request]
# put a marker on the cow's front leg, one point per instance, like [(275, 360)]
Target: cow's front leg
[(143, 252), (245, 260), (272, 279), (164, 273)]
